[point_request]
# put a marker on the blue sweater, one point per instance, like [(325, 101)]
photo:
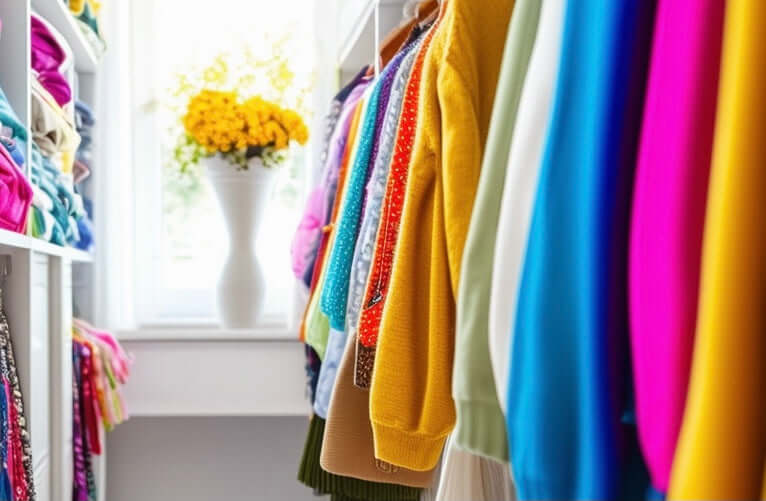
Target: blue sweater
[(567, 382)]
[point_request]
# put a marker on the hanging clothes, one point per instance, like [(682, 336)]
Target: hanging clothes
[(6, 473), (81, 489), (317, 326), (308, 235), (668, 218), (348, 447), (334, 295), (525, 158), (311, 472), (722, 446), (535, 275), (100, 367), (375, 197), (566, 390), (389, 219), (416, 344), (337, 337), (20, 465), (466, 476), (480, 426)]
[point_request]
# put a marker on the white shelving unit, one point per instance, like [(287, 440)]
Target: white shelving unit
[(38, 292), (57, 13), (19, 241)]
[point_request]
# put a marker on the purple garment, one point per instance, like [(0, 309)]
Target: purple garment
[(338, 145), (322, 198), (304, 244)]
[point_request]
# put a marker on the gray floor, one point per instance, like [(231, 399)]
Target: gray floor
[(204, 459)]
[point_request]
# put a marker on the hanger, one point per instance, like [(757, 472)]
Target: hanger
[(427, 11), (397, 38), (431, 18)]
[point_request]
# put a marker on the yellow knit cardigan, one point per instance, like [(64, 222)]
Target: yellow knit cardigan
[(411, 406)]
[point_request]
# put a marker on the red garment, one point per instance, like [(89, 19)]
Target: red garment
[(16, 454), (88, 385), (391, 212)]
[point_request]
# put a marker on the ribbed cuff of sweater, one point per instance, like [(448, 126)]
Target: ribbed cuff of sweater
[(481, 429), (407, 450)]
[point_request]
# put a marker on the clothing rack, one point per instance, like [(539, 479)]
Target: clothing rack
[(409, 339)]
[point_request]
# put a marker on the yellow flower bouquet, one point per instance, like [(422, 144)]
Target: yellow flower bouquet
[(219, 122)]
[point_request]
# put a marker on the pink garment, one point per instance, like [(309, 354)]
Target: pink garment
[(310, 226), (668, 218), (15, 194), (120, 360), (317, 210)]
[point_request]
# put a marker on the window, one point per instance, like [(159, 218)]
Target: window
[(260, 47)]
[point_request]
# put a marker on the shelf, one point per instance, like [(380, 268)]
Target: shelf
[(57, 13), (192, 378), (19, 241), (209, 334)]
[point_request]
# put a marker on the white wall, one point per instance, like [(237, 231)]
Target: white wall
[(207, 459)]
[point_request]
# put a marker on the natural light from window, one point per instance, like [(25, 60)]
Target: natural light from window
[(259, 47)]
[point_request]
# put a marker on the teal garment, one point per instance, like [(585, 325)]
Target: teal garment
[(397, 70), (480, 427), (567, 388), (335, 290)]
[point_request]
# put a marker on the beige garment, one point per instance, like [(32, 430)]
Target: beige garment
[(52, 128), (348, 448), (466, 476)]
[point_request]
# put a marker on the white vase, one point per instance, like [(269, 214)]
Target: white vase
[(242, 196)]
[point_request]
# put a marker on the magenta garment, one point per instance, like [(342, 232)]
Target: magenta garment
[(668, 218), (47, 57), (15, 194)]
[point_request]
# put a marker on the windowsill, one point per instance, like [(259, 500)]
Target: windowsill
[(207, 333)]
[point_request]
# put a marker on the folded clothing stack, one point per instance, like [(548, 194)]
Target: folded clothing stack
[(56, 206), (15, 190), (86, 14)]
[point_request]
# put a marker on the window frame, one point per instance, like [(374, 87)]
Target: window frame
[(152, 320)]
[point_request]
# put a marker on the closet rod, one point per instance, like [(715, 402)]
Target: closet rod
[(376, 53)]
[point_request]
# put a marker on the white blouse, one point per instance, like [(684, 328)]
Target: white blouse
[(520, 188)]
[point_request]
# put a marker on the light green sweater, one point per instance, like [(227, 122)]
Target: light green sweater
[(480, 422)]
